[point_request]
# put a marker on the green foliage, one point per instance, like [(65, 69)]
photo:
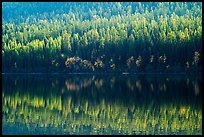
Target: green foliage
[(35, 34)]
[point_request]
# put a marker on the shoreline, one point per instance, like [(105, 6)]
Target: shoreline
[(124, 73)]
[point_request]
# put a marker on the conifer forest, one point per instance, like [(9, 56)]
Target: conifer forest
[(102, 37), (102, 68)]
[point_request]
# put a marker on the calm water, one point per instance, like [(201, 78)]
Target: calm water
[(101, 104)]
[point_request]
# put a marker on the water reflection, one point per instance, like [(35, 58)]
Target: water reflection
[(87, 104)]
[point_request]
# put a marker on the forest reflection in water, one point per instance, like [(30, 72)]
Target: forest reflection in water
[(101, 104)]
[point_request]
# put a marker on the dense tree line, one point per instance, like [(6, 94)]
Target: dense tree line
[(102, 37)]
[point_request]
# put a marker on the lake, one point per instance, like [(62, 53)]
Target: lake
[(101, 104)]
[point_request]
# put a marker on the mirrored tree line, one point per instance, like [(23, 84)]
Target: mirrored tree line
[(75, 103), (102, 37), (59, 105)]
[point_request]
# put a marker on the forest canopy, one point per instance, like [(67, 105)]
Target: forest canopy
[(102, 37)]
